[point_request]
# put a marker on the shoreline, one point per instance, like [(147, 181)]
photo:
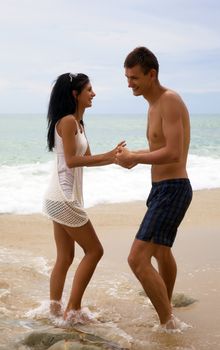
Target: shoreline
[(119, 219), (212, 193)]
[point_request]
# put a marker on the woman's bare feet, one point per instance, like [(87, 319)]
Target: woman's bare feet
[(80, 316), (56, 308)]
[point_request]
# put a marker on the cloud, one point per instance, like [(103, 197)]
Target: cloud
[(42, 39)]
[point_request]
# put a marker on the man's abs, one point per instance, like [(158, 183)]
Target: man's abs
[(168, 171)]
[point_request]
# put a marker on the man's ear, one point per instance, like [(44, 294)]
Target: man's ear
[(74, 93), (153, 73)]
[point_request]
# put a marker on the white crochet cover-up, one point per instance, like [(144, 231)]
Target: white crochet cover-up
[(63, 200)]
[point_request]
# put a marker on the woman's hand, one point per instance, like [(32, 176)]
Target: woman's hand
[(119, 145), (112, 154)]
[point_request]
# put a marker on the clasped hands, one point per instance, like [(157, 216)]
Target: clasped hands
[(123, 156)]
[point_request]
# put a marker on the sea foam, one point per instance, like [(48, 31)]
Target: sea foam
[(22, 187)]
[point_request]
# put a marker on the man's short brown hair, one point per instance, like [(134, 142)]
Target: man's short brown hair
[(144, 58)]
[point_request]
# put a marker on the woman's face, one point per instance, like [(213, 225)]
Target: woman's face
[(84, 99)]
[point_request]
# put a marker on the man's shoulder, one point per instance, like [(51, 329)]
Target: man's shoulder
[(172, 104), (170, 95), (171, 98)]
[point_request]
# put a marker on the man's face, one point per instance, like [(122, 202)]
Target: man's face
[(137, 80)]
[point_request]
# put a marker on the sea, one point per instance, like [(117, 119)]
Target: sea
[(25, 163), (125, 316)]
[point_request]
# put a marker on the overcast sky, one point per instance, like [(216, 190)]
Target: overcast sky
[(44, 38)]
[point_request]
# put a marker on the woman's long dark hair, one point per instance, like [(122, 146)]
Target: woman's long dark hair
[(62, 102)]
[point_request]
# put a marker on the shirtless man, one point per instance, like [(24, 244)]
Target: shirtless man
[(168, 135)]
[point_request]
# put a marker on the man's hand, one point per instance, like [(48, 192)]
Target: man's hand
[(124, 158)]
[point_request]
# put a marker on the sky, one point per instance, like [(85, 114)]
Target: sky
[(42, 39)]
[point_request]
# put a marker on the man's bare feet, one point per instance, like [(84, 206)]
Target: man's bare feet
[(172, 324)]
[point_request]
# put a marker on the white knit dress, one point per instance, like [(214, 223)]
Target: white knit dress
[(63, 201)]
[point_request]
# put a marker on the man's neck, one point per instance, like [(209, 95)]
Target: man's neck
[(154, 94)]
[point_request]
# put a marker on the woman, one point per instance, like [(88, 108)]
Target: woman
[(63, 203)]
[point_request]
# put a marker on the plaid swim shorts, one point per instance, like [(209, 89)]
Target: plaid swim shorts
[(167, 204)]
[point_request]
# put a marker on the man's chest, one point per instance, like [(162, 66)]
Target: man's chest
[(154, 128)]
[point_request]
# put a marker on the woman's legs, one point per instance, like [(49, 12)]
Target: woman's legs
[(86, 237), (65, 238), (65, 254)]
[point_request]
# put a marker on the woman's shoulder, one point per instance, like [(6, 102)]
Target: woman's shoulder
[(68, 121), (67, 124)]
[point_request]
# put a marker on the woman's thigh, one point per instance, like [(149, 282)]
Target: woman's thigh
[(85, 236), (64, 243)]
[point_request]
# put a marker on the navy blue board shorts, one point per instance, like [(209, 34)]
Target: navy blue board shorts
[(167, 204)]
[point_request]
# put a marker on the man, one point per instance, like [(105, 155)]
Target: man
[(168, 134)]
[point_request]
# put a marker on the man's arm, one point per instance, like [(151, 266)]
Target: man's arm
[(141, 151)]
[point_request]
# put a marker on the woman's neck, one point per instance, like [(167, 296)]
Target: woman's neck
[(79, 114)]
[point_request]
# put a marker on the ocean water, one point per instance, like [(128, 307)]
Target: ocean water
[(25, 163)]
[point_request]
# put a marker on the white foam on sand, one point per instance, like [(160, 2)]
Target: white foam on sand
[(22, 187), (24, 259), (179, 326)]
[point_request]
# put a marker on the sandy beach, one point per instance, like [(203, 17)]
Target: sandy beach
[(197, 254)]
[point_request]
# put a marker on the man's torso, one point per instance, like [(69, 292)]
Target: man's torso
[(157, 140)]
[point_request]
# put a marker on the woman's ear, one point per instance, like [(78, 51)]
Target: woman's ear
[(74, 93)]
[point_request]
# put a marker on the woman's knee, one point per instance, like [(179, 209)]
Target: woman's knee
[(99, 251), (65, 260), (95, 253)]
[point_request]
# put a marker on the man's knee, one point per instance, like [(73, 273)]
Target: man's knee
[(162, 253), (133, 261), (140, 257)]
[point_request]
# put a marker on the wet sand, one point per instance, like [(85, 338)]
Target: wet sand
[(196, 250), (116, 225)]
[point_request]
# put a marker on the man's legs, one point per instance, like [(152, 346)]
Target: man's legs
[(153, 282), (167, 268)]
